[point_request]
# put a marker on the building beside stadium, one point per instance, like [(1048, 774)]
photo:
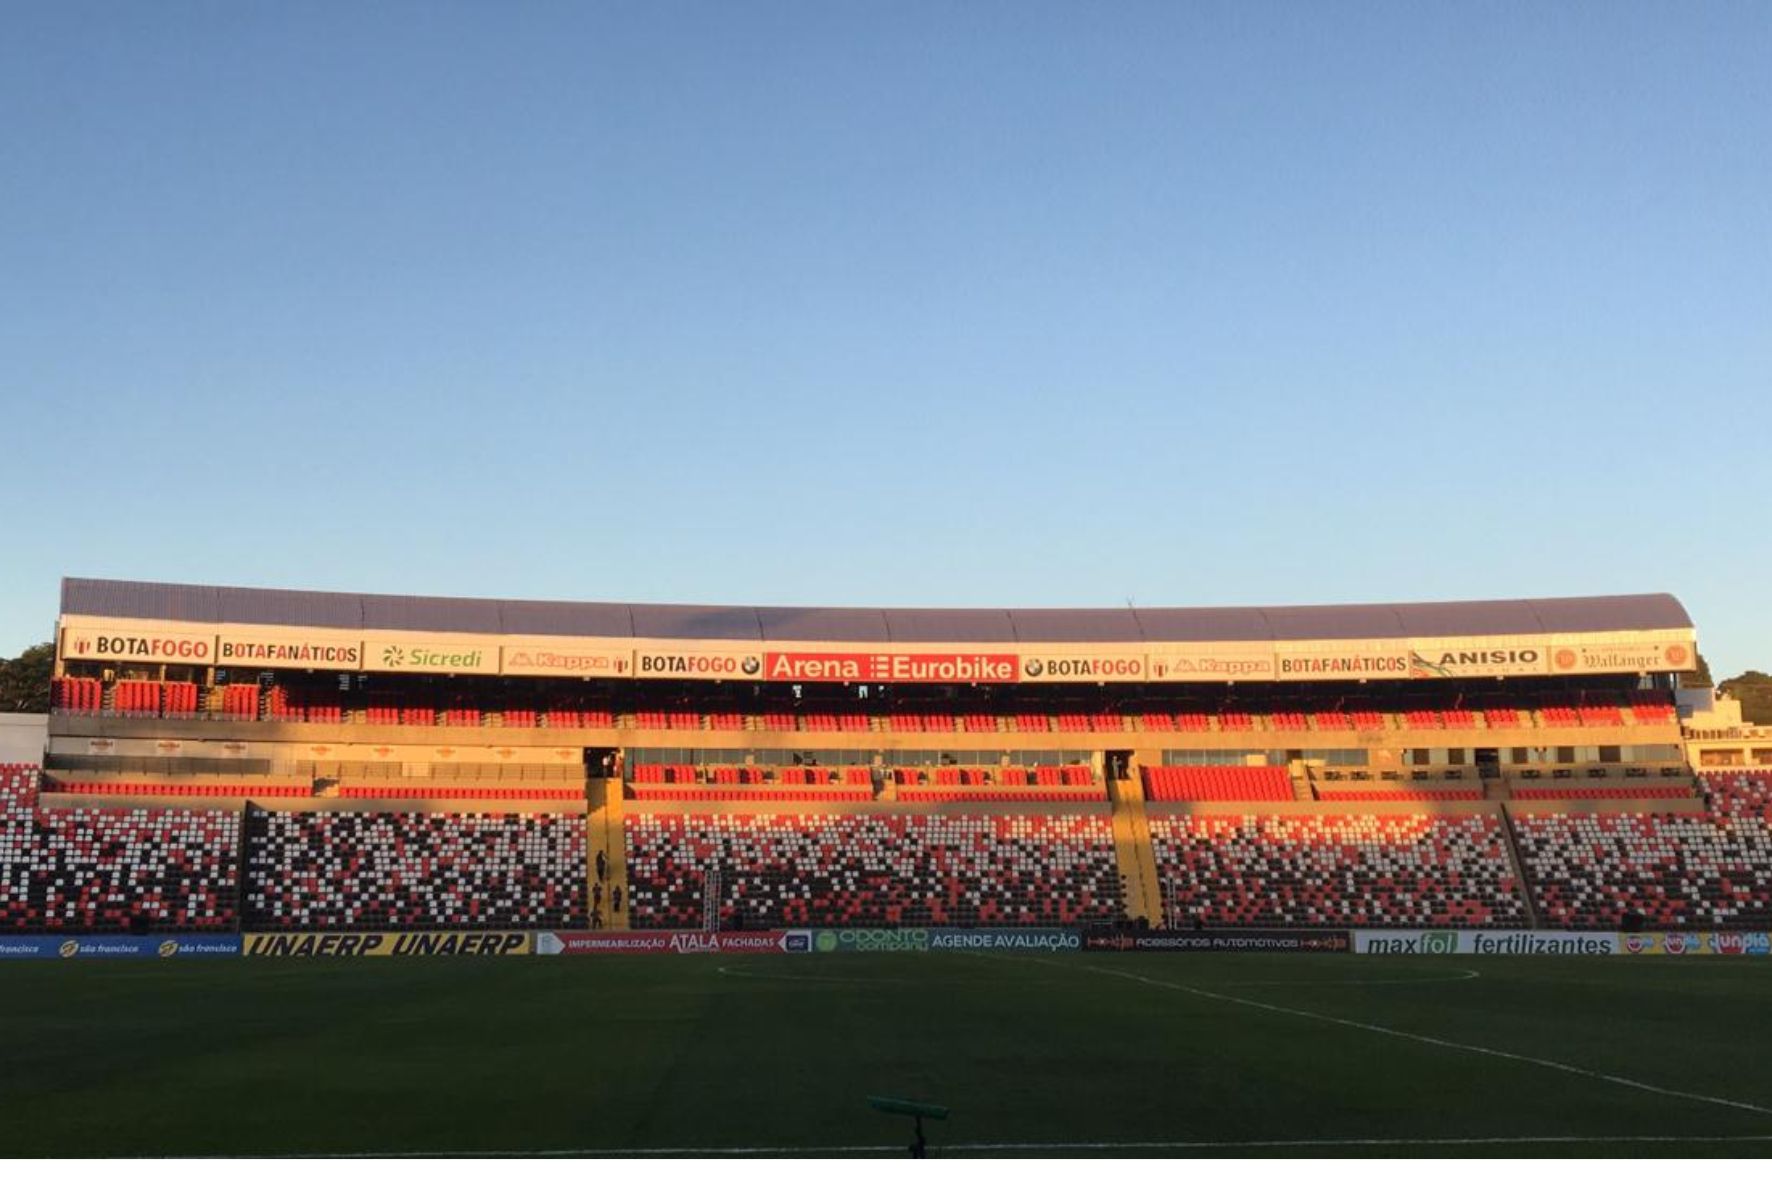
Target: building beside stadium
[(533, 764)]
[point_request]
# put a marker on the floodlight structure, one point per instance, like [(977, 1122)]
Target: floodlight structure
[(917, 1111)]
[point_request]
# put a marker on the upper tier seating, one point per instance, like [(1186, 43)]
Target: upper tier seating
[(1648, 791), (1674, 870), (1174, 784), (405, 869), (1396, 795), (461, 791), (874, 871), (77, 695), (1337, 871), (191, 790)]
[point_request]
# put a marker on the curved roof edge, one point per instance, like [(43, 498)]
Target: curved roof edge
[(174, 602)]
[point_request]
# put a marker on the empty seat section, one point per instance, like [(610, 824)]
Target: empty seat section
[(873, 871), (347, 870), (1208, 784), (1673, 870), (1335, 871)]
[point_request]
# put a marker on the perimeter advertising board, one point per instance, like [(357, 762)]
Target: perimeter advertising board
[(1443, 942), (1696, 943), (389, 943), (1283, 941), (672, 942), (112, 947)]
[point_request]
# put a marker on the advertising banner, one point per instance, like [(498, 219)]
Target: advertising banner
[(1215, 664), (111, 947), (1622, 658), (317, 650), (1441, 942), (1696, 943), (566, 660), (1040, 939), (139, 647), (1080, 667), (1427, 661), (882, 667), (672, 942), (1287, 941), (871, 939), (380, 943), (697, 664), (399, 657), (1354, 663)]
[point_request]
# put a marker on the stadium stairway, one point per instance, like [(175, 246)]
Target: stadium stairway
[(603, 834), (1132, 845), (1527, 887)]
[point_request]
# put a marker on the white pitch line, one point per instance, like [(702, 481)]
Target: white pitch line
[(1424, 1039), (1052, 1146)]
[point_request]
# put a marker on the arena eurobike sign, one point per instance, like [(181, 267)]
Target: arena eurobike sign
[(116, 947)]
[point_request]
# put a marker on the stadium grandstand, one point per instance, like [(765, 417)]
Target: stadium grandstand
[(265, 760)]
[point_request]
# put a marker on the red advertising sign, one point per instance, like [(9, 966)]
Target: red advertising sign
[(924, 667)]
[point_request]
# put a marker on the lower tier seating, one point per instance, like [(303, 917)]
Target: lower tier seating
[(1360, 871), (408, 869), (1739, 793), (117, 869), (1675, 870), (884, 870)]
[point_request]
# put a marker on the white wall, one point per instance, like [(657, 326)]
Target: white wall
[(23, 737)]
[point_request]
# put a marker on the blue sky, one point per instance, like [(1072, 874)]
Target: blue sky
[(918, 304)]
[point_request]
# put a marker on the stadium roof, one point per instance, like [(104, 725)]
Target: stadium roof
[(172, 602)]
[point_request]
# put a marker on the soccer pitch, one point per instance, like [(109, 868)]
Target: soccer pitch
[(1145, 1054)]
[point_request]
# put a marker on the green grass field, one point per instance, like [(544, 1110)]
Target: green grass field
[(1072, 1054)]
